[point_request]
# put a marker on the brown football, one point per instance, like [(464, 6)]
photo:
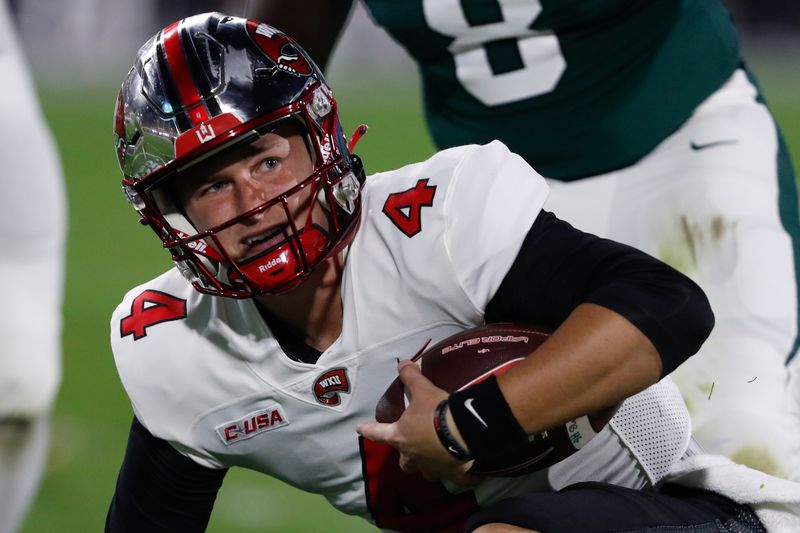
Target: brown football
[(467, 358)]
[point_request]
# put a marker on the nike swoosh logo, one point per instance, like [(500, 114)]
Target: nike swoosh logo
[(703, 146), (468, 405)]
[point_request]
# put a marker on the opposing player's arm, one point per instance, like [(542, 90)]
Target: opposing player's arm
[(315, 24), (159, 489), (624, 320)]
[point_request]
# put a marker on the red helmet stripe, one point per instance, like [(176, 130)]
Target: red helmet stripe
[(182, 75)]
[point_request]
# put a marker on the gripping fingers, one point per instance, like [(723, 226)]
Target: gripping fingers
[(378, 432), (411, 375)]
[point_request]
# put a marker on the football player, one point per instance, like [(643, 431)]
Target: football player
[(299, 282), (32, 234), (651, 132)]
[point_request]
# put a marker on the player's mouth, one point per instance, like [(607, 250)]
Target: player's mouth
[(258, 243)]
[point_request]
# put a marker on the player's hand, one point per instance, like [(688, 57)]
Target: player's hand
[(413, 434)]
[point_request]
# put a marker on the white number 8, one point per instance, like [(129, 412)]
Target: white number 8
[(540, 51)]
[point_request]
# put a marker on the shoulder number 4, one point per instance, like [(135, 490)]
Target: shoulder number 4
[(404, 208), (151, 308)]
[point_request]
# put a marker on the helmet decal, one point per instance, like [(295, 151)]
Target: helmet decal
[(204, 132), (280, 49)]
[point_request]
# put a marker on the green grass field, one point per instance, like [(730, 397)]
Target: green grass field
[(108, 252)]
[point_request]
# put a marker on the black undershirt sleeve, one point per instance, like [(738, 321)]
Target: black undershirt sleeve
[(161, 490), (560, 267)]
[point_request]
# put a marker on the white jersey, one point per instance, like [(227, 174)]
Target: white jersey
[(434, 243)]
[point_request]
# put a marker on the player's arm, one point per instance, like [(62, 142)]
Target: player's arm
[(159, 489), (623, 320), (315, 24)]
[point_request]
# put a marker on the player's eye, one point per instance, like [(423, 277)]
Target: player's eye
[(212, 187), (269, 163)]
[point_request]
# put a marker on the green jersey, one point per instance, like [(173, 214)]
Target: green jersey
[(577, 87)]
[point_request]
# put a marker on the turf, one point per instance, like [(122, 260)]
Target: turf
[(108, 252)]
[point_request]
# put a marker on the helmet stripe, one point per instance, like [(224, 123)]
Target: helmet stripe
[(198, 72), (182, 75), (170, 90)]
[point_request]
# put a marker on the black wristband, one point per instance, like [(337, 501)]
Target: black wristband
[(445, 436), (485, 420)]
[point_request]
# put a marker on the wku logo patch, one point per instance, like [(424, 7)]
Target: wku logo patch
[(253, 424), (330, 384)]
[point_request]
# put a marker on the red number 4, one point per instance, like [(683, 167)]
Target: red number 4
[(151, 308), (404, 208)]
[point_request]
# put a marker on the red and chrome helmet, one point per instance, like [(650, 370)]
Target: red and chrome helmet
[(208, 83)]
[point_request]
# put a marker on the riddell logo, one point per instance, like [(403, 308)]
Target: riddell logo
[(281, 260), (252, 424), (330, 384), (326, 149)]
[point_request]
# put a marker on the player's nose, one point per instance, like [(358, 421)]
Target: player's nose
[(252, 194)]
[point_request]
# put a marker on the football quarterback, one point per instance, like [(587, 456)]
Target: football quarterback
[(666, 145), (299, 282)]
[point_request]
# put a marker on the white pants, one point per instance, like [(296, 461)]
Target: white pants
[(706, 201), (32, 230)]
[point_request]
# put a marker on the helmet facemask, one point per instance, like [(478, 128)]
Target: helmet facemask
[(273, 246)]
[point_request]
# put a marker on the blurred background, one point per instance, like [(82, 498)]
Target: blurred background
[(79, 51)]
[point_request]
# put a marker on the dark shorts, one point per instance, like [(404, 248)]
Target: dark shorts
[(600, 507)]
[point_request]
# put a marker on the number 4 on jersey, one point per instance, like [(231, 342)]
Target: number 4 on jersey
[(404, 208), (151, 308)]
